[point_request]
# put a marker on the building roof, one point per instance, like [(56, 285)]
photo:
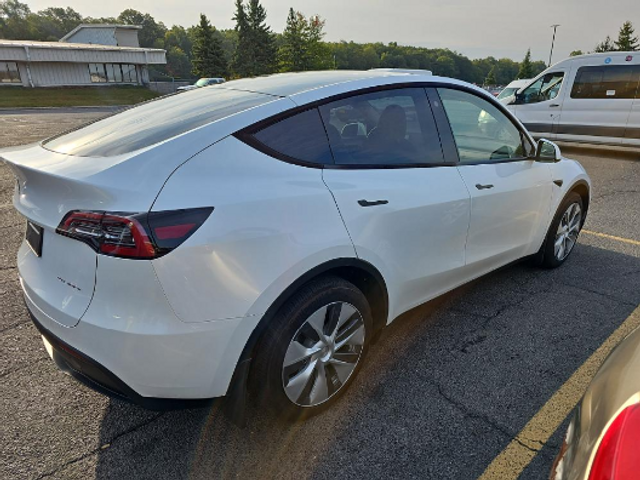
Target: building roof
[(99, 25), (73, 46)]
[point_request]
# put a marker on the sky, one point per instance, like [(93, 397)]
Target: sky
[(476, 28)]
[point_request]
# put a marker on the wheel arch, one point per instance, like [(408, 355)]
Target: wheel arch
[(581, 187), (359, 272)]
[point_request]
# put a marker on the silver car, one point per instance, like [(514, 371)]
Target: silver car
[(603, 438)]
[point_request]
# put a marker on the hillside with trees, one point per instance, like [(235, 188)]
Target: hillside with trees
[(252, 48)]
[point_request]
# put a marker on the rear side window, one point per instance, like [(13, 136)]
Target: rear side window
[(299, 137), (390, 127), (615, 81), (154, 122)]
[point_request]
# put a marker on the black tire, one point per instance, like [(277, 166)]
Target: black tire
[(547, 257), (267, 378)]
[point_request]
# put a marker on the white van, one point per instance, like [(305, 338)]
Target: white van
[(591, 98), (507, 95)]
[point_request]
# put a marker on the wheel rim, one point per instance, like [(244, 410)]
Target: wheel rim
[(568, 230), (323, 354)]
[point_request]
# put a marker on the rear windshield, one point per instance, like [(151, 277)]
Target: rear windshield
[(153, 122)]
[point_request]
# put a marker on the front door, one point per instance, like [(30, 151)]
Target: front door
[(539, 105), (405, 211), (510, 193)]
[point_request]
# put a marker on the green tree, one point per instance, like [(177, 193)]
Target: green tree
[(575, 53), (54, 23), (445, 66), (152, 33), (242, 60), (14, 20), (302, 47), (262, 41), (627, 42), (293, 53), (317, 51), (255, 53), (207, 55), (491, 77), (526, 71), (178, 63), (605, 46)]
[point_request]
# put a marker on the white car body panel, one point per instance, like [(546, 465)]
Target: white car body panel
[(277, 207), (417, 240), (506, 219), (175, 327)]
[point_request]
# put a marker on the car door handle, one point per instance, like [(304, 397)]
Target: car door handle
[(367, 203), (554, 105), (483, 187)]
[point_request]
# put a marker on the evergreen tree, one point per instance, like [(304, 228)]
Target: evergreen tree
[(491, 77), (208, 56), (262, 40), (293, 53), (242, 60), (256, 50), (302, 46), (626, 41), (605, 46), (526, 69)]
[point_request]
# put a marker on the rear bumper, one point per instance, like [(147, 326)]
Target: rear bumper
[(95, 376), (129, 342)]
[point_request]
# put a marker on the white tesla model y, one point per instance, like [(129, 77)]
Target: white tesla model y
[(261, 232)]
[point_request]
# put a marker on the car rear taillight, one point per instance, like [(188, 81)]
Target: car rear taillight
[(617, 456), (133, 235)]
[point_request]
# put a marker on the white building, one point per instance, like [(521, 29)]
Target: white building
[(88, 55)]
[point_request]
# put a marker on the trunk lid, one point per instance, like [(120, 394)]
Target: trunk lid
[(61, 281)]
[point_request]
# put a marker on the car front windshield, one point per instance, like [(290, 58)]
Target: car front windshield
[(507, 92), (203, 82)]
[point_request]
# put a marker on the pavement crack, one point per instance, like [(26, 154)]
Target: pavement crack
[(467, 412), (601, 294), (105, 445)]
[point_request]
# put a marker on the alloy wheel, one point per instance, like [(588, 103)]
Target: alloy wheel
[(568, 231), (323, 354)]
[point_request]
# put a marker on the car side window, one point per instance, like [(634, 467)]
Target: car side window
[(299, 137), (609, 81), (481, 131), (389, 127), (545, 88)]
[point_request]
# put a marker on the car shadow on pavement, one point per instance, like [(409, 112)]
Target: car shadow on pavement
[(441, 394)]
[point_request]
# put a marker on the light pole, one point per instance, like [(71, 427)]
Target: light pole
[(555, 27)]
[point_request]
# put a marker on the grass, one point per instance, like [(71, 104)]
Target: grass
[(19, 97)]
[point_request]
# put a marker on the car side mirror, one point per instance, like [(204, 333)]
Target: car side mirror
[(517, 99), (547, 151)]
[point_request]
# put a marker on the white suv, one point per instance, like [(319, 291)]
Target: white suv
[(263, 232)]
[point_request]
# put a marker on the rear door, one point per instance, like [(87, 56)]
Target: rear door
[(510, 193), (597, 108), (538, 106), (406, 210)]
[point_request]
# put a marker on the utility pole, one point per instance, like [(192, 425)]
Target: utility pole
[(555, 27)]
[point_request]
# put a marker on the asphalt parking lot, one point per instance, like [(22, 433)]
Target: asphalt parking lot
[(444, 391)]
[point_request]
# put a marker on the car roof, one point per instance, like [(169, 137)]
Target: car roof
[(289, 84)]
